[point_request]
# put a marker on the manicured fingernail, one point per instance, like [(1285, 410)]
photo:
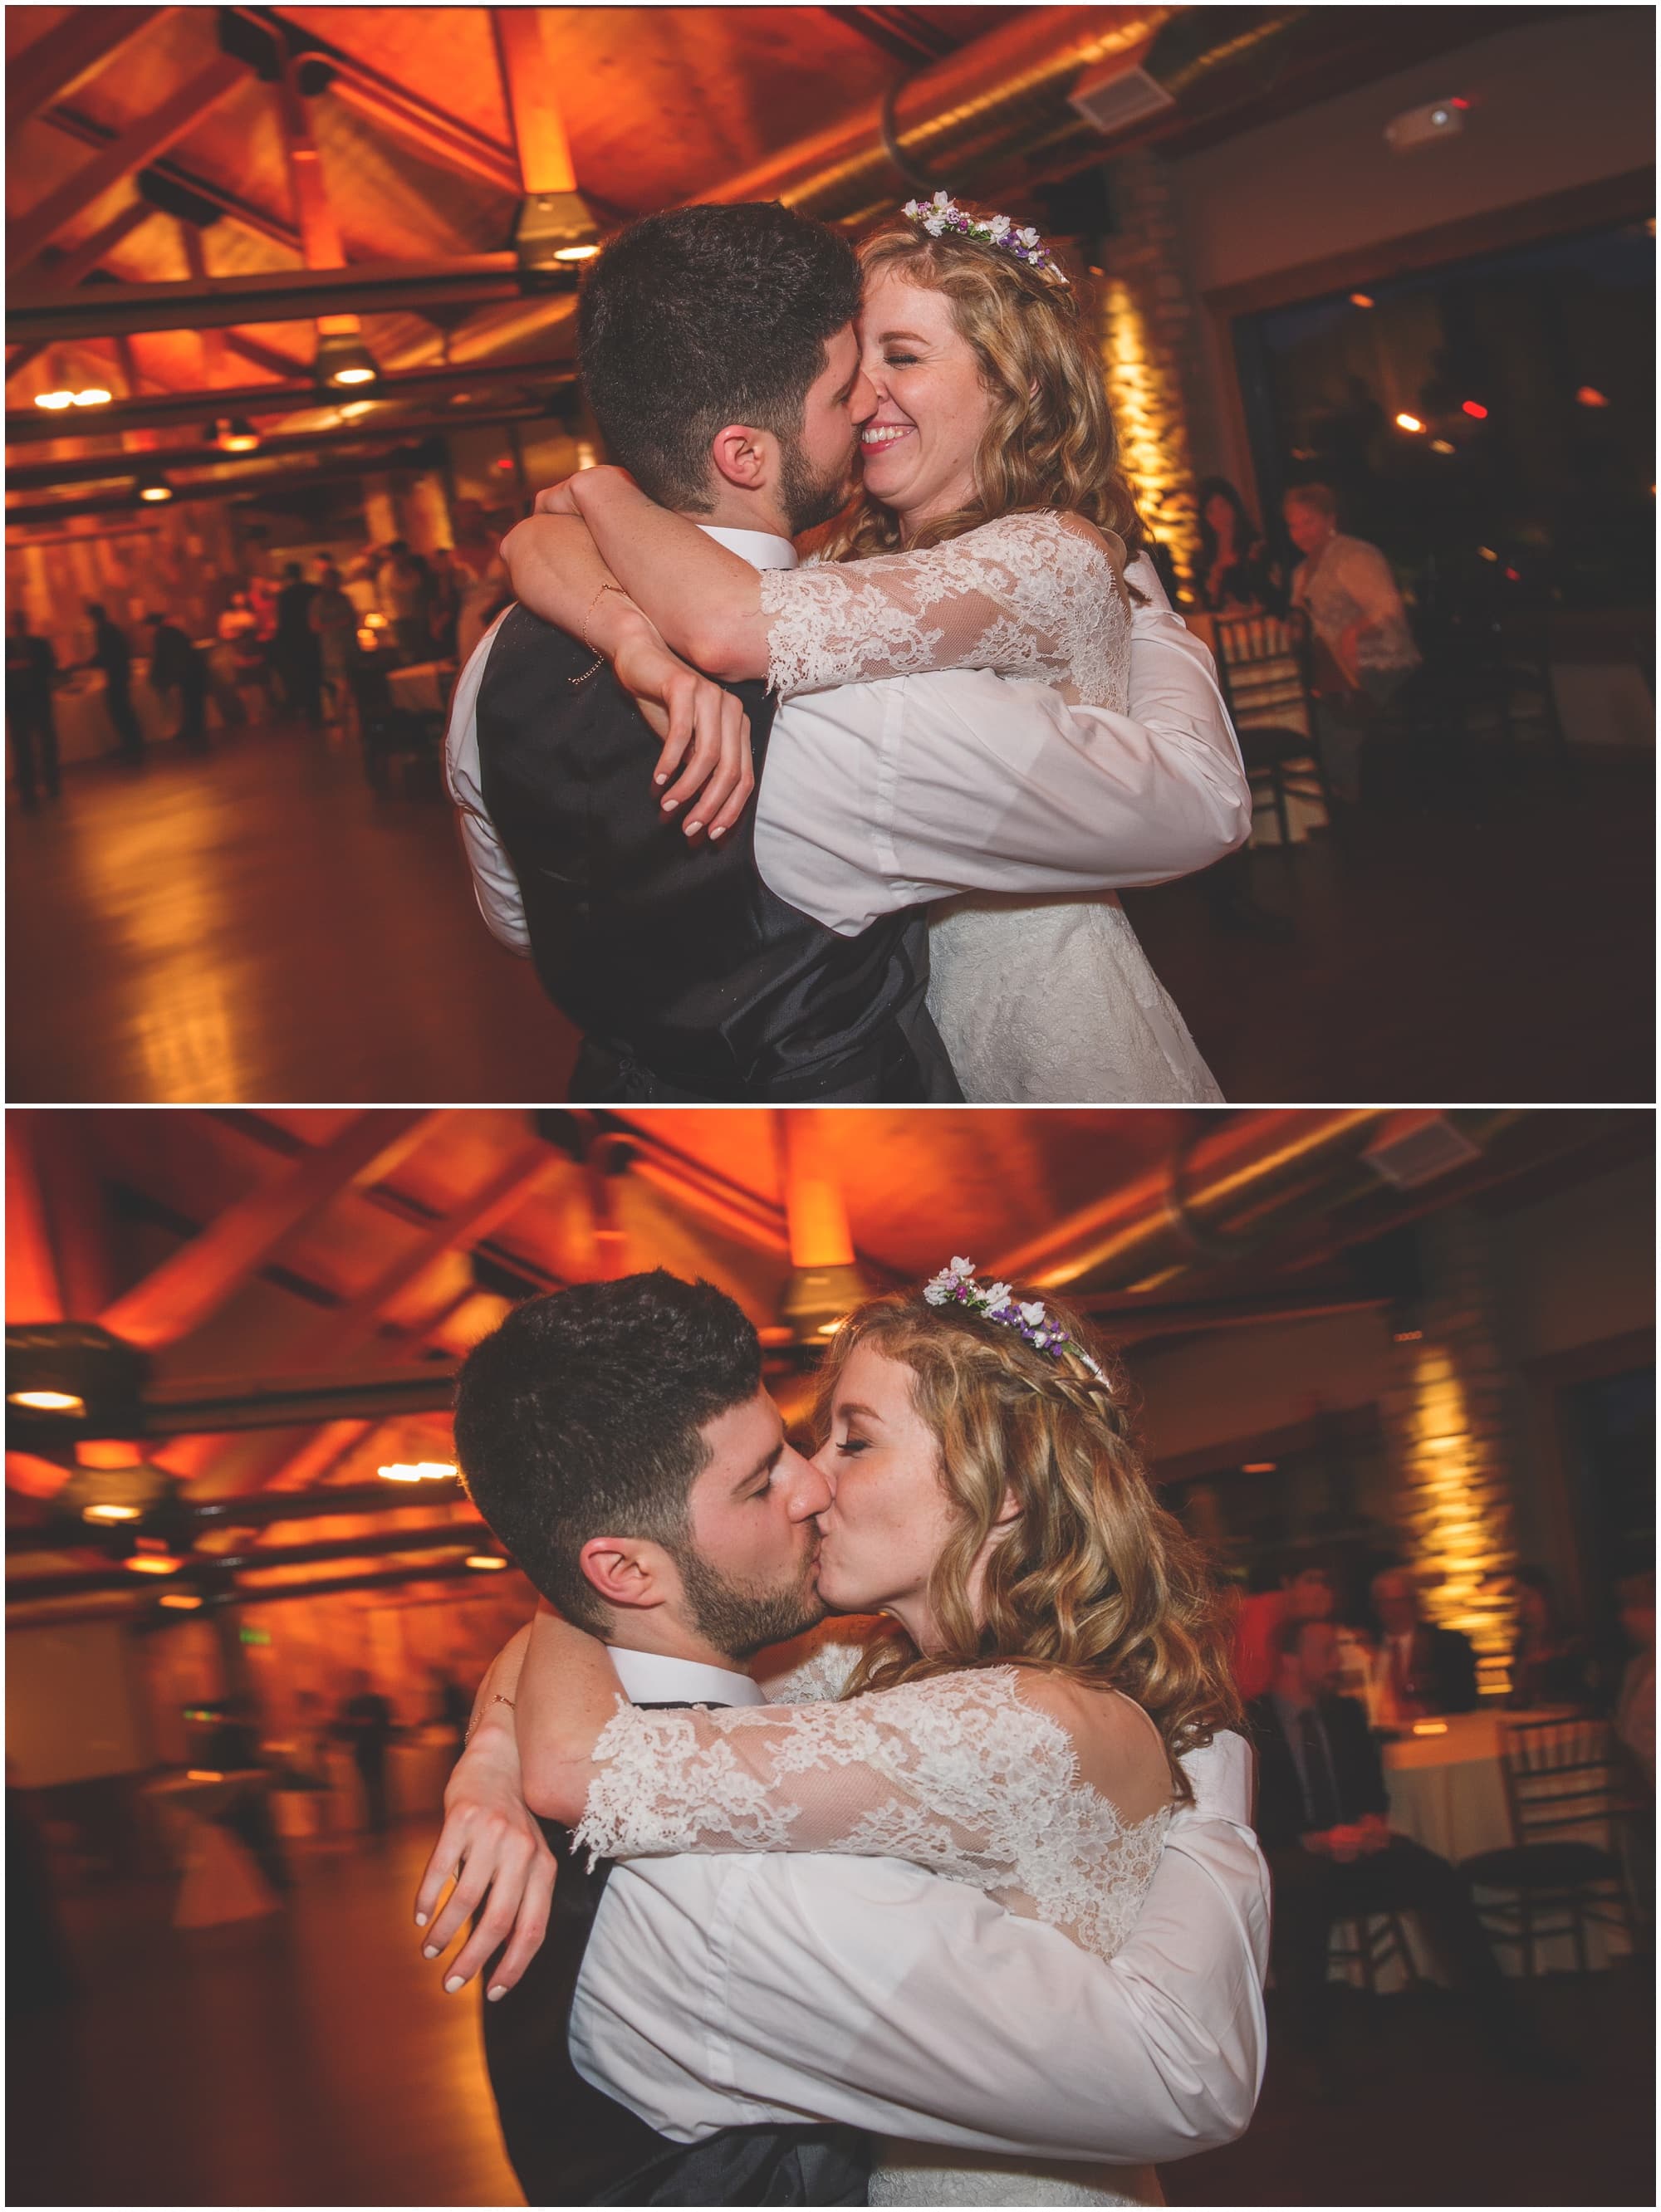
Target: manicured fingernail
[(716, 832), (490, 1996), (454, 1983), (660, 779), (692, 828), (670, 804), (431, 1951), (420, 1920)]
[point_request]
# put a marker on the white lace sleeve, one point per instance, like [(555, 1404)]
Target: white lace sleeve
[(1036, 595), (959, 1773)]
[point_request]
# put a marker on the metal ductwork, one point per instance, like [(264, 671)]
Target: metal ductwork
[(1232, 1191)]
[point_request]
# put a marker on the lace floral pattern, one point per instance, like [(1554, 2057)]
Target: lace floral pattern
[(1027, 595), (957, 1773)]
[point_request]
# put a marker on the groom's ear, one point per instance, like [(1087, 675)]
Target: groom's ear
[(744, 457), (627, 1571)]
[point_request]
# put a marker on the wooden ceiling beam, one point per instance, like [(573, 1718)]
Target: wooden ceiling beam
[(256, 219), (179, 1295), (542, 150), (68, 269), (85, 42), (143, 142), (352, 1325)]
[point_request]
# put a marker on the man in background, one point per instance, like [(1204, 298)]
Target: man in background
[(112, 653), (31, 672)]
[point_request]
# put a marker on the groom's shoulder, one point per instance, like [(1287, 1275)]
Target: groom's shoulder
[(523, 639)]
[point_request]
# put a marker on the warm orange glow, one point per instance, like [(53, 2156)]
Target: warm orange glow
[(576, 252), (1440, 446), (156, 492), (486, 1562), (180, 1601), (1590, 396), (421, 1470), (1362, 299), (147, 1563), (1430, 1727), (202, 1774), (109, 1513), (54, 400), (1408, 422), (353, 376), (1259, 1466), (47, 1401), (94, 396)]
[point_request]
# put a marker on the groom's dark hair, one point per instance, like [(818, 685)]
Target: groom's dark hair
[(580, 1417), (704, 316)]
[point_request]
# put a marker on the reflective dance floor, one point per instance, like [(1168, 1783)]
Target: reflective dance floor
[(260, 925)]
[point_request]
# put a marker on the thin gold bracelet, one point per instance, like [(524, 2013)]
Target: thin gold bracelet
[(599, 659)]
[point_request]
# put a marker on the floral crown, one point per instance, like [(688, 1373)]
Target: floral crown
[(942, 215), (956, 1285)]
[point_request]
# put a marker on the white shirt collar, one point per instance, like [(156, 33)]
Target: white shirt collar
[(760, 548), (648, 1678)]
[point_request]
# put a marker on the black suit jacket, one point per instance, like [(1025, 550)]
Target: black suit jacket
[(1357, 1769)]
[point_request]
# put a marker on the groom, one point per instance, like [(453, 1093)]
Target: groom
[(790, 962), (727, 2029)]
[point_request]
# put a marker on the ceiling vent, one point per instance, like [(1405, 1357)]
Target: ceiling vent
[(1112, 104), (1415, 1149)]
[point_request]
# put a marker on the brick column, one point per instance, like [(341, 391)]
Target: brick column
[(1452, 1420), (1153, 352)]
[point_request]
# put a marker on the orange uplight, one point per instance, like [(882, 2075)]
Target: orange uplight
[(1590, 396), (1430, 1727), (147, 1563), (202, 1774), (1475, 409), (1362, 299), (1408, 422), (180, 1601), (1259, 1466)]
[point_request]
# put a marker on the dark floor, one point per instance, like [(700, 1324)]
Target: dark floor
[(310, 2058), (261, 927), (1503, 953)]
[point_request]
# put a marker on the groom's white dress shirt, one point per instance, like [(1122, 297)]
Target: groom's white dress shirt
[(876, 797), (731, 1990)]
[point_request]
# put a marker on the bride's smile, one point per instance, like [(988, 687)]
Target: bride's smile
[(918, 448)]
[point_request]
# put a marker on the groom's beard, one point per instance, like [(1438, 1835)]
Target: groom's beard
[(738, 1619), (809, 500)]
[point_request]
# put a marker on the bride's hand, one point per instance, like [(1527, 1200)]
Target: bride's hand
[(705, 732), (491, 1842)]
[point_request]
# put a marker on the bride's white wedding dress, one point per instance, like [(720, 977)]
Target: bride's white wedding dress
[(991, 1776), (1044, 1000)]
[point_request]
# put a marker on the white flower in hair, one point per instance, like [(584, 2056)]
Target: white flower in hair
[(997, 1297), (1028, 237), (965, 1268), (1032, 1314), (999, 226)]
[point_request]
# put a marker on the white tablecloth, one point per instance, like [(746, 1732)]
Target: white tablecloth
[(424, 687)]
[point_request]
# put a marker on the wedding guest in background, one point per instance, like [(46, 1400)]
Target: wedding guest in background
[(333, 619), (1420, 1669), (1549, 1665), (297, 655), (112, 653), (1236, 573), (239, 629), (1323, 1820), (31, 672), (366, 1722), (1364, 650), (177, 666), (444, 607)]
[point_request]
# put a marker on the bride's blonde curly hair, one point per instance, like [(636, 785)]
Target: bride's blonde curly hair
[(1050, 441), (1093, 1578)]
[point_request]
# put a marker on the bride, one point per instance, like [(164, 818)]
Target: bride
[(991, 531), (1054, 1646)]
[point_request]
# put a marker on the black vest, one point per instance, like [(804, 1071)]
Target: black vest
[(569, 2144), (689, 979)]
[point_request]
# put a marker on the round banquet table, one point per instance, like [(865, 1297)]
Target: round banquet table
[(1447, 1792), (424, 687)]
